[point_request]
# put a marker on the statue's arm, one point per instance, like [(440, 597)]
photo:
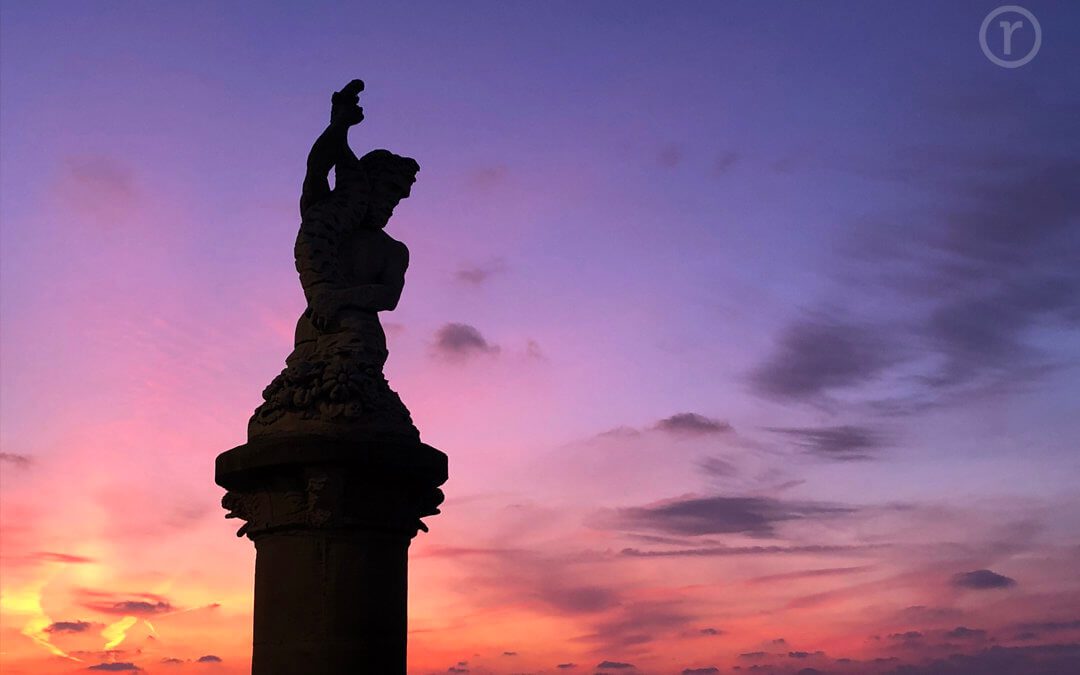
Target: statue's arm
[(326, 300), (383, 296), (332, 145)]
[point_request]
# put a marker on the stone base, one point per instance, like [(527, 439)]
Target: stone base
[(332, 521)]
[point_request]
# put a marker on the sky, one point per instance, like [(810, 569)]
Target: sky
[(750, 329)]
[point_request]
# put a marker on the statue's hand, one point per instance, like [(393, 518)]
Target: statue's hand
[(344, 105), (323, 309), (351, 90), (346, 115)]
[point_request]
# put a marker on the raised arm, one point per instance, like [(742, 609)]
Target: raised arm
[(332, 145)]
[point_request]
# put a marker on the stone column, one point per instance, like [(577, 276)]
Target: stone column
[(332, 521)]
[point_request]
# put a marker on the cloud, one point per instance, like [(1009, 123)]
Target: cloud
[(682, 425), (117, 667), (817, 356), (116, 632), (49, 556), (477, 275), (692, 424), (16, 460), (971, 276), (636, 623), (843, 443), (983, 335), (711, 631), (965, 633), (1050, 626), (576, 599), (137, 607), (922, 613), (720, 468), (708, 670), (547, 583), (566, 666), (68, 627), (724, 551), (623, 432), (614, 665), (695, 516), (1001, 660), (990, 264), (141, 605), (460, 341), (981, 580), (209, 658), (808, 574)]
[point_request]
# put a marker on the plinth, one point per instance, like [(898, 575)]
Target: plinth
[(332, 520)]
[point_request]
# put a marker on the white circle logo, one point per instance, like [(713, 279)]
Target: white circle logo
[(1010, 27)]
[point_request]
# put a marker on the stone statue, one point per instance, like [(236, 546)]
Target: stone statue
[(333, 481), (350, 269)]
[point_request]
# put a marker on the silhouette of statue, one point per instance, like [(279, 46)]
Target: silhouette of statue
[(350, 270), (333, 481)]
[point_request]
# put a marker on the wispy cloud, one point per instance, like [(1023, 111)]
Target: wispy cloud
[(726, 551), (817, 356), (481, 273), (68, 627), (16, 460), (809, 574), (981, 580), (142, 604), (842, 443), (692, 424), (695, 516)]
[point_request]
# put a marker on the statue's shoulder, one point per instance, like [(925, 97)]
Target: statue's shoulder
[(391, 248), (395, 248)]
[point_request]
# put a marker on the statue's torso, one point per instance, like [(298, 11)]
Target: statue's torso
[(366, 254)]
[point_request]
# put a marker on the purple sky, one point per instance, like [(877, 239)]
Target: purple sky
[(685, 277)]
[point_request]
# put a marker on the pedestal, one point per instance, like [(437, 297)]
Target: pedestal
[(332, 521)]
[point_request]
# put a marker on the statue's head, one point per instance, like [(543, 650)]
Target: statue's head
[(387, 179)]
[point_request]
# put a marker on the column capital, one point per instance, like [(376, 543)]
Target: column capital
[(307, 483)]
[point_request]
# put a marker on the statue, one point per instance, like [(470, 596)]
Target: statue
[(333, 481), (350, 270)]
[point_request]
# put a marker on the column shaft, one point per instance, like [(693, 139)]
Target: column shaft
[(330, 603)]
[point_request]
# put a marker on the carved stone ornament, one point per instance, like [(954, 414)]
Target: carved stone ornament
[(325, 499)]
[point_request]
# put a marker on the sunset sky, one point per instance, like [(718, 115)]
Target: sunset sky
[(751, 330)]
